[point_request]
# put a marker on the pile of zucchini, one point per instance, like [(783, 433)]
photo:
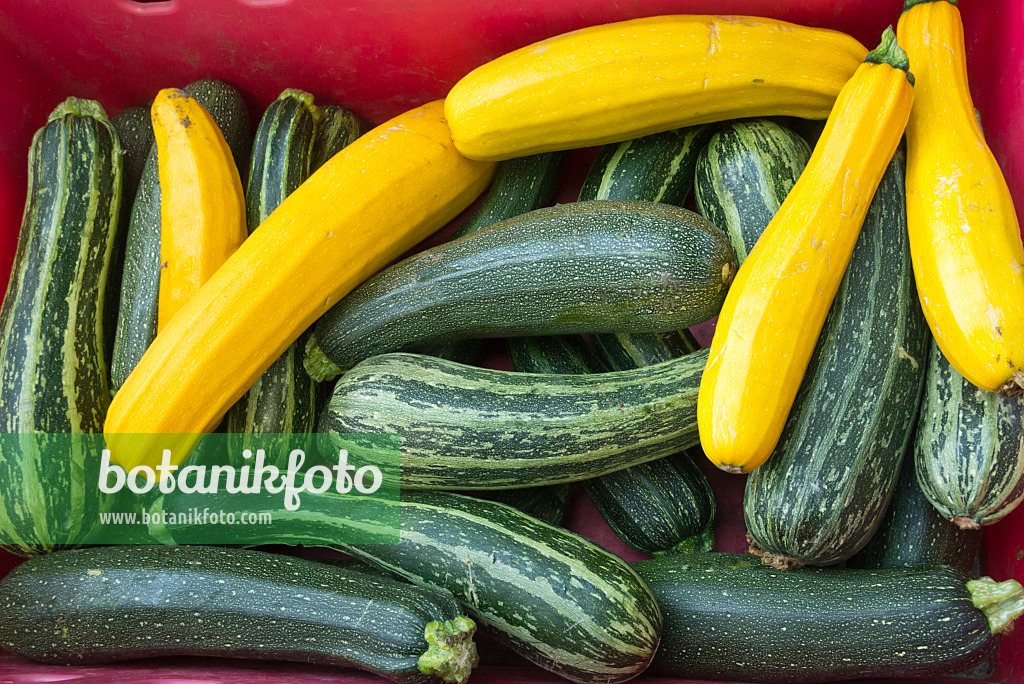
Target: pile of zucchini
[(887, 464)]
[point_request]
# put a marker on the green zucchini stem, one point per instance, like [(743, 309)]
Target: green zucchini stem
[(451, 655), (316, 363), (702, 542), (78, 107), (889, 52), (1001, 602), (910, 3)]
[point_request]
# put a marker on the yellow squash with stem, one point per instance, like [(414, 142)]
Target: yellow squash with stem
[(368, 204), (627, 79), (202, 207), (778, 302), (964, 236)]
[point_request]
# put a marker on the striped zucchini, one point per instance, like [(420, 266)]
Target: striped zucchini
[(336, 129), (913, 533), (660, 506), (581, 267), (547, 504), (140, 283), (463, 427), (53, 373), (744, 175), (102, 605), (825, 489), (970, 448), (284, 399), (557, 599), (729, 619)]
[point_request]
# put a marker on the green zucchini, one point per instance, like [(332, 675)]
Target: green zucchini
[(557, 599), (103, 605), (913, 533), (744, 175), (140, 282), (336, 129), (654, 168), (547, 504), (825, 489), (53, 372), (969, 453), (582, 267), (469, 428), (284, 399), (135, 132), (728, 618)]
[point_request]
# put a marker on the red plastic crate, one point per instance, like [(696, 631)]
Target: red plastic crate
[(379, 58)]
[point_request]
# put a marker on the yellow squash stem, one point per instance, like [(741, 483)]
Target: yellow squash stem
[(202, 206), (777, 304), (964, 236), (368, 204), (623, 80)]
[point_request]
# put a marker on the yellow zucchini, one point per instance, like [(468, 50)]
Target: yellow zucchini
[(202, 208), (964, 235), (778, 302), (629, 79), (368, 204)]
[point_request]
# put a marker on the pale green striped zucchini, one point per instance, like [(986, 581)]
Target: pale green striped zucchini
[(970, 448), (53, 373)]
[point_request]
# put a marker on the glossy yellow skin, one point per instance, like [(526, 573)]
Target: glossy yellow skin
[(964, 236), (778, 302), (367, 205), (202, 205), (627, 79)]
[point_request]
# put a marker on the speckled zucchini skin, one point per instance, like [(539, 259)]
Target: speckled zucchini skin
[(337, 129), (913, 533), (825, 489), (116, 603), (463, 427), (53, 370), (727, 618), (575, 268), (970, 447), (547, 504), (744, 175), (140, 282)]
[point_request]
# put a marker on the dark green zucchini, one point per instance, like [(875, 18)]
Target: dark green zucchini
[(547, 504), (744, 175), (336, 129), (557, 599), (654, 168), (575, 268), (727, 618), (463, 427), (824, 490), (53, 372), (107, 604), (284, 399), (970, 447), (913, 533), (140, 282)]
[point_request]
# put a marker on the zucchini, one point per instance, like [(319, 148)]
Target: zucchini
[(825, 489), (538, 429), (913, 533), (581, 267), (284, 399), (557, 599), (336, 129), (53, 372), (729, 619), (103, 605), (660, 506), (547, 504), (140, 283), (744, 175), (970, 447)]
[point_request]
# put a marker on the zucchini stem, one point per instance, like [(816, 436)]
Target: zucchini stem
[(1014, 387), (316, 363), (702, 542), (1001, 602), (78, 107), (451, 655), (889, 52)]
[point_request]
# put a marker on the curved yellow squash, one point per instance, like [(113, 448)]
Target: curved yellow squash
[(627, 79), (369, 203), (202, 206), (777, 304), (964, 236)]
